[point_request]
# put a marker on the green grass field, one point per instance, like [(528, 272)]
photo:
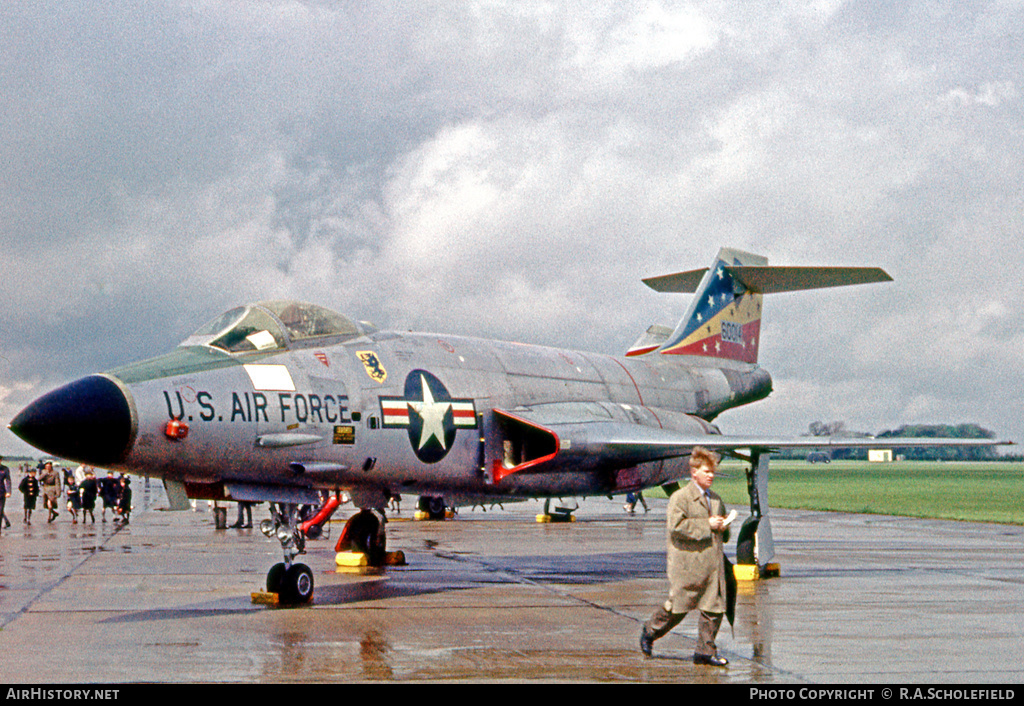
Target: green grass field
[(969, 491)]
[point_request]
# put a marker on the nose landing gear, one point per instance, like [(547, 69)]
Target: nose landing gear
[(293, 583)]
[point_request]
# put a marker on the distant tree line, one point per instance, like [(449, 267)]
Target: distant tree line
[(943, 453), (933, 453)]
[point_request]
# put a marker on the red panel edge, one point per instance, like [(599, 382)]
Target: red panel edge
[(498, 469)]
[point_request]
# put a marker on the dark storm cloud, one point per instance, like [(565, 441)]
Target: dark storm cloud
[(513, 169)]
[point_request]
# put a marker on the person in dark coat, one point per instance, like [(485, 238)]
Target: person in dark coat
[(89, 489), (109, 489), (244, 520), (124, 501), (71, 493), (29, 488), (5, 492)]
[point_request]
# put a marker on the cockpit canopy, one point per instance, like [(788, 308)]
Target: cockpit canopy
[(272, 325)]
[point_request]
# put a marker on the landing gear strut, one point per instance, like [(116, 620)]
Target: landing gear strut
[(292, 582), (746, 542), (754, 546)]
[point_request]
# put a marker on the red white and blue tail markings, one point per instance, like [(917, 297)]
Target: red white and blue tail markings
[(724, 318)]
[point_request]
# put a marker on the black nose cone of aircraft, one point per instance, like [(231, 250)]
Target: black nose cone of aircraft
[(89, 421)]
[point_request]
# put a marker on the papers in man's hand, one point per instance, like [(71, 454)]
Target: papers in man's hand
[(729, 518)]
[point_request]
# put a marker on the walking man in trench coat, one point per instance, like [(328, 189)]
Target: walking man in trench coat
[(697, 529)]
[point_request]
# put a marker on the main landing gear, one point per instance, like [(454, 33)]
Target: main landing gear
[(433, 507), (364, 534), (755, 547), (558, 514)]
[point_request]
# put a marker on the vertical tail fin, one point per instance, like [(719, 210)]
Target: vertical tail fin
[(724, 318)]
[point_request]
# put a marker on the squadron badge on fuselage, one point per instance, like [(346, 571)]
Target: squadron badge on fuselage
[(429, 413), (373, 366)]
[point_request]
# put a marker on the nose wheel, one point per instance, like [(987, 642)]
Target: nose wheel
[(293, 584)]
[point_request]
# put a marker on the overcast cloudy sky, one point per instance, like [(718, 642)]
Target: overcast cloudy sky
[(512, 169)]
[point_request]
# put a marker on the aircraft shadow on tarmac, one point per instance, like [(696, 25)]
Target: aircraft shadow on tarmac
[(324, 595), (582, 569), (442, 578)]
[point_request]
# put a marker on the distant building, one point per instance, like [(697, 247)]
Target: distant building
[(880, 455)]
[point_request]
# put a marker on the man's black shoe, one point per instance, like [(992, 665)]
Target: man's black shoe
[(646, 642), (710, 660)]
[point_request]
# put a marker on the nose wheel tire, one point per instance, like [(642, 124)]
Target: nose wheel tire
[(292, 584), (275, 577)]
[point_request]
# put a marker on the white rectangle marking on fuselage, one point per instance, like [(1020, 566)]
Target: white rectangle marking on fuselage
[(270, 378)]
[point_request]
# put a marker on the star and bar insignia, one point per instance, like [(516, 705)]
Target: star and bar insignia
[(429, 413)]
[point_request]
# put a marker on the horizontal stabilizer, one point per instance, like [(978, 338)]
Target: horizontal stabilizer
[(774, 280), (680, 282), (652, 338)]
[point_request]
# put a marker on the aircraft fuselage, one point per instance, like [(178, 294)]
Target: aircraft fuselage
[(399, 412)]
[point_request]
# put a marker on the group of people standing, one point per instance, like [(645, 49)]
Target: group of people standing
[(76, 490)]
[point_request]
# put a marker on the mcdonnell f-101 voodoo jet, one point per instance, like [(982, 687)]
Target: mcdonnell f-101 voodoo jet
[(290, 403)]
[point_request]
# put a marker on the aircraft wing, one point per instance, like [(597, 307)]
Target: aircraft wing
[(671, 448), (575, 437)]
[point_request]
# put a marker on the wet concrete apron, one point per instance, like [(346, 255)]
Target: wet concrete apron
[(494, 596)]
